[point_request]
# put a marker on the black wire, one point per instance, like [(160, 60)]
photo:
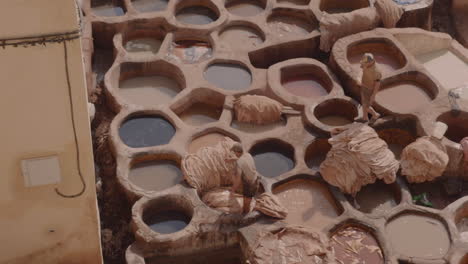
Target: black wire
[(67, 74)]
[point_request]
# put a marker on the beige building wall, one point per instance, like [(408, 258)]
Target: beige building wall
[(36, 224)]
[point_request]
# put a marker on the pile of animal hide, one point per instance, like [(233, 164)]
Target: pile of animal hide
[(212, 169), (227, 201), (336, 26), (257, 109), (358, 157), (290, 245), (424, 160)]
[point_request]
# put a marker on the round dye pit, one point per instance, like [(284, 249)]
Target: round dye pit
[(228, 76), (190, 51), (289, 25), (143, 45), (457, 125), (196, 15), (273, 158), (396, 139), (244, 8), (241, 37), (418, 236), (146, 131), (356, 245), (155, 175), (200, 114), (253, 128), (150, 5), (336, 112), (149, 91), (403, 97), (309, 203), (167, 222), (316, 153), (387, 56), (208, 140), (303, 84), (377, 198)]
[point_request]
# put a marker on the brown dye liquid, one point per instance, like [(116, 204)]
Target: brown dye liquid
[(335, 120), (435, 193), (108, 10), (149, 91), (309, 203), (196, 15), (207, 140), (228, 76), (304, 85), (167, 222), (251, 128), (289, 26), (190, 51), (355, 245), (403, 97), (385, 62), (146, 131), (150, 5), (155, 175), (244, 8), (241, 37), (376, 198), (143, 45), (199, 114), (418, 236)]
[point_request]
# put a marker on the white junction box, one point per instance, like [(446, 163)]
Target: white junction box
[(41, 171)]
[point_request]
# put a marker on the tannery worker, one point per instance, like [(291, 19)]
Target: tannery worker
[(370, 85)]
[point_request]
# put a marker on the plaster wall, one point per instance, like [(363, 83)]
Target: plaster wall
[(36, 224)]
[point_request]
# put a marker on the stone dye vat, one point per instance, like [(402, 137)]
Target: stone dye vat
[(166, 72)]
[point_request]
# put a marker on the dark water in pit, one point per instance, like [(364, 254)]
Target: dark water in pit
[(166, 222), (108, 10), (150, 5), (228, 76), (146, 131), (196, 15), (271, 160)]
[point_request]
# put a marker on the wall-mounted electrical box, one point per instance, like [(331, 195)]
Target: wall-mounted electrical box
[(41, 171)]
